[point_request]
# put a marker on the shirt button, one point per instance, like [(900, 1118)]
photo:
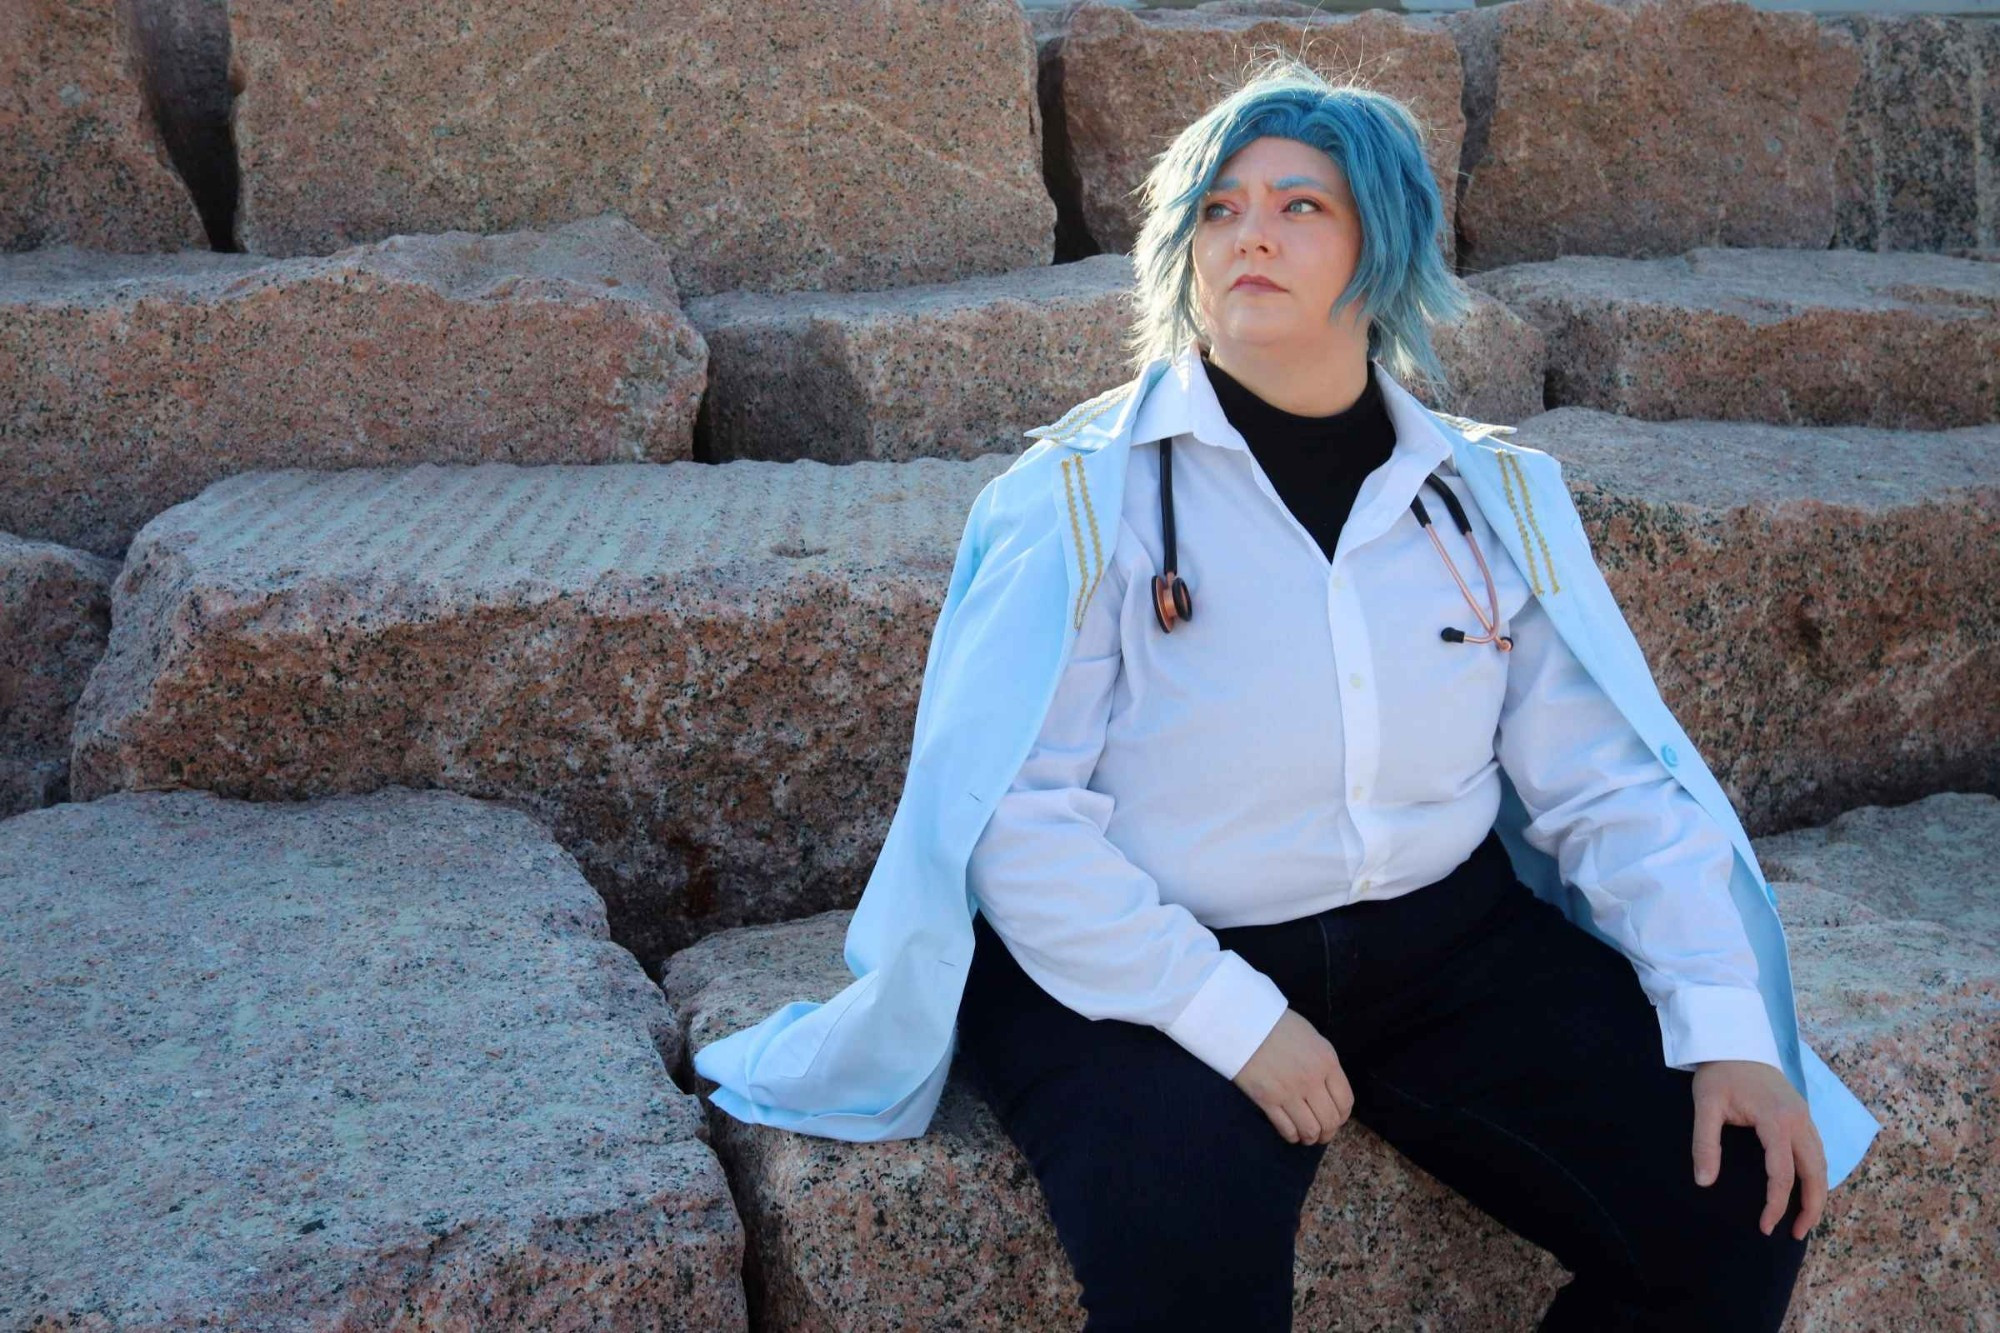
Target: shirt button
[(1358, 789), (1339, 581), (1355, 680), (1363, 886), (1667, 753)]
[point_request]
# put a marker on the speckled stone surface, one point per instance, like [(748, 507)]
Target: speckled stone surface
[(1131, 81), (1919, 164), (357, 1063), (1646, 127), (1896, 964), (55, 615), (1792, 337), (774, 146), (952, 1229), (80, 163), (1817, 604), (1495, 360), (953, 370), (702, 678), (130, 382)]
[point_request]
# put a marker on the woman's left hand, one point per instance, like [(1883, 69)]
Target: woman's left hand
[(1750, 1092)]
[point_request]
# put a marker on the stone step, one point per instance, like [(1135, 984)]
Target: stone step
[(362, 1062), (1131, 81), (130, 382), (703, 678), (55, 615), (945, 370), (1647, 127), (80, 162), (956, 370), (768, 145), (1799, 337), (1897, 976), (1820, 606)]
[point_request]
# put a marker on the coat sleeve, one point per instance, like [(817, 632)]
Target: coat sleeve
[(1076, 913), (1652, 864)]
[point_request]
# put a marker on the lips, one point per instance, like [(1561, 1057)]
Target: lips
[(1252, 283)]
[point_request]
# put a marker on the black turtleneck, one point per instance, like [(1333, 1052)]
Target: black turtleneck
[(1317, 464)]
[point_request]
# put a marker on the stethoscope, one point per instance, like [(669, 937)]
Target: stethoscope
[(1172, 602)]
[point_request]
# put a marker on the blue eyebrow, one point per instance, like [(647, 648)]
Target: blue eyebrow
[(1230, 183)]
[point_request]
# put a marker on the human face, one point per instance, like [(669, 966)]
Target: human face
[(1280, 210)]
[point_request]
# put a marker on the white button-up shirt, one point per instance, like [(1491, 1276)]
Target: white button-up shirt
[(1306, 740)]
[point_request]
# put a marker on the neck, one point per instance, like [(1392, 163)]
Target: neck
[(1315, 382)]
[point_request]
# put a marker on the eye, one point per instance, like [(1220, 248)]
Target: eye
[(1204, 211), (1302, 200)]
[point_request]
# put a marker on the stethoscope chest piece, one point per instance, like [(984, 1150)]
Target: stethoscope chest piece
[(1172, 602)]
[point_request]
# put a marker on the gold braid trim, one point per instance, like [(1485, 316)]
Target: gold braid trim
[(1082, 415), (1507, 480), (1528, 503), (1088, 584)]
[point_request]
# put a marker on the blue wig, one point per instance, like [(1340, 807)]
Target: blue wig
[(1400, 279)]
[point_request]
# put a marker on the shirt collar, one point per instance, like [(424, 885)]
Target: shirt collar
[(1182, 401)]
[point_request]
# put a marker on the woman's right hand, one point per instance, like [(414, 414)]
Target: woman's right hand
[(1297, 1079)]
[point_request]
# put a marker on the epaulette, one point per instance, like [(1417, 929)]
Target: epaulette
[(1472, 430), (1066, 427)]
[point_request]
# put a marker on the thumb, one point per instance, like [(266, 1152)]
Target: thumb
[(1707, 1139)]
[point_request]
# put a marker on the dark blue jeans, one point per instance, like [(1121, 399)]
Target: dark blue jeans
[(1505, 1051)]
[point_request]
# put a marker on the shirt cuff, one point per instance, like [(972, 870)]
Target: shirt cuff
[(1229, 1017), (1702, 1023)]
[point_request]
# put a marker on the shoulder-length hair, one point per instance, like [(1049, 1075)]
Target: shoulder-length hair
[(1401, 277)]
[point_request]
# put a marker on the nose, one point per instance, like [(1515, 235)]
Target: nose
[(1253, 234)]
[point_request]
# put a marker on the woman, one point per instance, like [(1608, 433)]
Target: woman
[(1246, 884), (1258, 844)]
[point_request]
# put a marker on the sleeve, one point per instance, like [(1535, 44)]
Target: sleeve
[(1079, 917), (1651, 863)]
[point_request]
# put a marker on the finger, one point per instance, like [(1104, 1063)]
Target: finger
[(1284, 1123), (1708, 1113), (1343, 1096), (1778, 1170), (1328, 1115), (1813, 1188), (1302, 1115)]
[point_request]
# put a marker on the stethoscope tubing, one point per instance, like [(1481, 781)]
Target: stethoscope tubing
[(1173, 601)]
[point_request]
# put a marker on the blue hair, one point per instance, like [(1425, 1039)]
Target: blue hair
[(1401, 278)]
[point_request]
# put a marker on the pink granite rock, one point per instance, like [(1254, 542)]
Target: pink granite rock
[(1132, 81), (951, 371), (951, 1228), (961, 369), (1903, 1003), (1646, 127), (1918, 156), (1816, 604), (128, 383), (1495, 360), (55, 615), (806, 144), (80, 161), (702, 678), (1798, 337), (354, 1063)]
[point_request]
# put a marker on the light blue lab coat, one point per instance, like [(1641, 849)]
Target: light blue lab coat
[(870, 1063)]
